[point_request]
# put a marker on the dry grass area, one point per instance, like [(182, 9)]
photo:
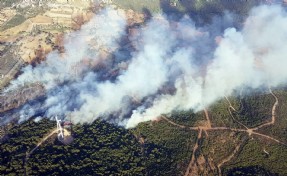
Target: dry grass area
[(29, 46), (59, 12), (79, 3), (11, 34), (41, 20), (31, 35)]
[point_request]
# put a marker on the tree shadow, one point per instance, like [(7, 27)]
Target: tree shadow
[(147, 14), (170, 9)]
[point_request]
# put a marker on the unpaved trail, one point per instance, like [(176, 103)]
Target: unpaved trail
[(230, 113), (190, 170), (202, 127), (227, 159), (207, 118), (66, 132), (248, 131), (273, 113), (173, 123), (28, 154), (269, 137), (231, 107), (41, 142)]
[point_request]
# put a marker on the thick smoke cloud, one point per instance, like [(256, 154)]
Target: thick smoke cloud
[(168, 65)]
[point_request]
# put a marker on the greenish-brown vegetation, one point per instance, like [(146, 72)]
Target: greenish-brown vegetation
[(176, 142), (139, 5), (188, 118), (199, 10), (21, 138), (252, 154), (279, 129), (220, 116), (15, 21), (253, 112), (156, 148), (99, 148), (8, 3), (152, 148), (212, 145)]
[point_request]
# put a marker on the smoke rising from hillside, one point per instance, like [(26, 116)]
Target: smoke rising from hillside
[(169, 65)]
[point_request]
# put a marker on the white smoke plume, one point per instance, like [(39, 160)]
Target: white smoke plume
[(174, 66)]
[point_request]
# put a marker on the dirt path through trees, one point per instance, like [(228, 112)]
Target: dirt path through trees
[(190, 169), (249, 131)]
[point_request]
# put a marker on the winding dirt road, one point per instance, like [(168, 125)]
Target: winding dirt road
[(225, 160), (230, 113), (273, 112), (249, 131), (189, 170)]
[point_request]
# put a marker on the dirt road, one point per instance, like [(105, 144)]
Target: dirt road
[(273, 113), (190, 168), (250, 131)]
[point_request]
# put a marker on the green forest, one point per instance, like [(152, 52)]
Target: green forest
[(153, 148), (99, 148), (161, 147)]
